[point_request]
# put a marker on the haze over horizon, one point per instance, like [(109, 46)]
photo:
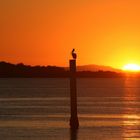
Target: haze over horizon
[(104, 32)]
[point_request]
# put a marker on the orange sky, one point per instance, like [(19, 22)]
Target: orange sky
[(104, 32)]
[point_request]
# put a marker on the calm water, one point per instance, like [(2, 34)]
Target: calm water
[(38, 109)]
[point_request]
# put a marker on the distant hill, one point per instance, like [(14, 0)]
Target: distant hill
[(21, 70), (93, 67)]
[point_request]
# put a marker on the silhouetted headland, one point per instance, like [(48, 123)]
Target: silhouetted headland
[(27, 71)]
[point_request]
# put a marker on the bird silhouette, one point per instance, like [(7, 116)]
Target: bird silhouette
[(74, 55)]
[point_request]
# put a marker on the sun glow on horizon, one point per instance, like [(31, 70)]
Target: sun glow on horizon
[(131, 67)]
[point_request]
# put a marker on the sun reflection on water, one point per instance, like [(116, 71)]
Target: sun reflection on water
[(131, 117)]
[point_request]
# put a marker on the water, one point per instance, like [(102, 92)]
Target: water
[(38, 109)]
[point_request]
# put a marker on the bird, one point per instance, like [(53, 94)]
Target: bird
[(74, 55)]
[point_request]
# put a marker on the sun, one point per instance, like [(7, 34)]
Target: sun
[(131, 67)]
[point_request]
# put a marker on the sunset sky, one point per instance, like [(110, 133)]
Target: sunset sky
[(43, 32)]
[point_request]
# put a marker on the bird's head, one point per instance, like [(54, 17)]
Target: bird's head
[(73, 50)]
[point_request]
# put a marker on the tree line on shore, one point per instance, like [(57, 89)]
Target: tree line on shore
[(20, 70)]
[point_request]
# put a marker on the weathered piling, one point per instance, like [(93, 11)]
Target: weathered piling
[(74, 123)]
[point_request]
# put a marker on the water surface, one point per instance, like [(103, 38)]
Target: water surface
[(38, 109)]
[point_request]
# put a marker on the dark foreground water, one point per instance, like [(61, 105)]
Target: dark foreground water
[(38, 109)]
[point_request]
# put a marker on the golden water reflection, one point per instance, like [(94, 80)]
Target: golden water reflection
[(131, 116)]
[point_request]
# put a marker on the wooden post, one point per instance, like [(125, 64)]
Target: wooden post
[(74, 123)]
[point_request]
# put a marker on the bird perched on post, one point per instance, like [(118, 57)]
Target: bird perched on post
[(74, 55)]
